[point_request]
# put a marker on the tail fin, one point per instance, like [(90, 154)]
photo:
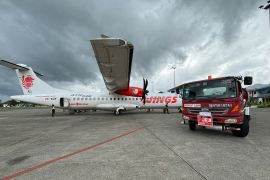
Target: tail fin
[(29, 81)]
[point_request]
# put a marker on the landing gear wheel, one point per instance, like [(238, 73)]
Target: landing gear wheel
[(117, 113), (192, 125), (71, 112), (244, 129)]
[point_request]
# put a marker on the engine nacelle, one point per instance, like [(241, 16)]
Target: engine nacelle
[(131, 91)]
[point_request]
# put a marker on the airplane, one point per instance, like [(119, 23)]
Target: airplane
[(266, 7), (114, 58)]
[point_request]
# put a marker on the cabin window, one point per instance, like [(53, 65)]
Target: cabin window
[(82, 99), (90, 99), (98, 98), (86, 99), (118, 99), (78, 99), (136, 98), (122, 99), (125, 98), (102, 98), (110, 98), (74, 99), (129, 98), (94, 98)]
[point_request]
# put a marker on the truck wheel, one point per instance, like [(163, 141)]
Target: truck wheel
[(244, 129), (192, 126)]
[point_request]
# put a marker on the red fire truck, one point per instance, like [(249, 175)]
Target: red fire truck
[(217, 102)]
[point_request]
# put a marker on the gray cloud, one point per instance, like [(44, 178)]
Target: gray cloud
[(53, 36)]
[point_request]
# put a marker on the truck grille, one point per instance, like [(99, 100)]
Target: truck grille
[(213, 111)]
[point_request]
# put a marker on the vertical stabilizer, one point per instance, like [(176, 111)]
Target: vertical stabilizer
[(28, 79), (32, 84)]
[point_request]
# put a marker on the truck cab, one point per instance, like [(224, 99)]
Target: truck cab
[(217, 102)]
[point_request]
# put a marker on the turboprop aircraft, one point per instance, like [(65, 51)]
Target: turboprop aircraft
[(114, 58)]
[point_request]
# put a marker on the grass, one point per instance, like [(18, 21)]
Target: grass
[(263, 105)]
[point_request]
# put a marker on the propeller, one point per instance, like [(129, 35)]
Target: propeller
[(145, 91)]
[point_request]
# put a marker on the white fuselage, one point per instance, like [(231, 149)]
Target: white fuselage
[(110, 102)]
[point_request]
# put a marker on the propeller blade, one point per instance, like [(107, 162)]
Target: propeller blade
[(146, 84), (144, 100), (145, 91), (143, 83)]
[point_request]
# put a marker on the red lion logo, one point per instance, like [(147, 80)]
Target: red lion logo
[(27, 81)]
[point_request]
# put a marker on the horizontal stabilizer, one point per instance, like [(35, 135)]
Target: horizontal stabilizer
[(16, 66)]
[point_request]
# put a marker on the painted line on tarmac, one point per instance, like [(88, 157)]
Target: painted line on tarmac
[(175, 153), (30, 169)]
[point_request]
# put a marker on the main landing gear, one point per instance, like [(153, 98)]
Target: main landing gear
[(118, 111)]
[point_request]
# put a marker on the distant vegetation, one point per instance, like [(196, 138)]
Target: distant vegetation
[(13, 103), (263, 105)]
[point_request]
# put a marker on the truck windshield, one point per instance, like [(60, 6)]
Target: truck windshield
[(211, 89)]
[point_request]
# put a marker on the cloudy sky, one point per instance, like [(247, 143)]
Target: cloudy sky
[(201, 37)]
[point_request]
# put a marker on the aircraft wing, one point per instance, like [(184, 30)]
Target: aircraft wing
[(114, 58)]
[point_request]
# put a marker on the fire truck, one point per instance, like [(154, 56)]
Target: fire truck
[(217, 102)]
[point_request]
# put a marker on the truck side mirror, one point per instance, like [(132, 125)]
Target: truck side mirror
[(177, 90), (247, 80)]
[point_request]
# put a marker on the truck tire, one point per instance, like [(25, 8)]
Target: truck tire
[(192, 125), (244, 129)]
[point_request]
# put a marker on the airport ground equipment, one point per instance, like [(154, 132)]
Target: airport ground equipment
[(217, 102)]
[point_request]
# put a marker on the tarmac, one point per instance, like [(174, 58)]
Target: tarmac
[(134, 145)]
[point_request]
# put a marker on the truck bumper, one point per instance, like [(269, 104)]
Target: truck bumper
[(217, 120)]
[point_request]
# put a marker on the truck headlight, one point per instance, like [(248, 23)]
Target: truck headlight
[(230, 121), (236, 108)]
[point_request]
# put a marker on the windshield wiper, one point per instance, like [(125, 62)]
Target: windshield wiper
[(208, 97), (202, 97)]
